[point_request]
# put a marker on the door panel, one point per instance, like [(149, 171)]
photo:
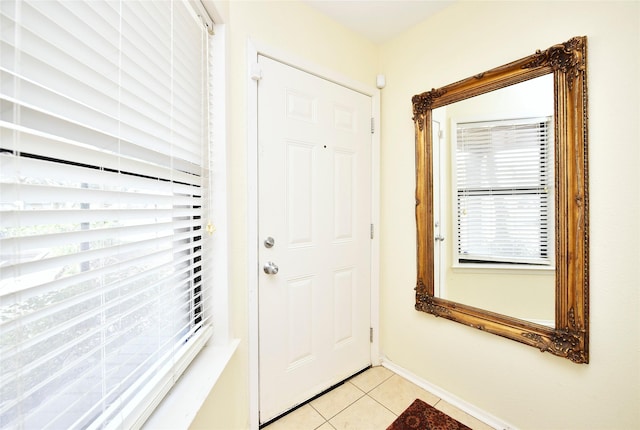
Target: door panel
[(314, 161), (299, 186)]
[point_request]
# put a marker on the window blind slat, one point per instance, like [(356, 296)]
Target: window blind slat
[(107, 281), (53, 111), (41, 194), (50, 146), (109, 312), (112, 341), (36, 171), (30, 273), (13, 219)]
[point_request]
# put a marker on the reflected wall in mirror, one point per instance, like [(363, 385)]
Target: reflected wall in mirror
[(501, 201)]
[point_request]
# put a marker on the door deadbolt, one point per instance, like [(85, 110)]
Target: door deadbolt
[(270, 268), (269, 242)]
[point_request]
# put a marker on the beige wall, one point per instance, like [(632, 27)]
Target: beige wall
[(515, 382), (511, 381), (301, 33)]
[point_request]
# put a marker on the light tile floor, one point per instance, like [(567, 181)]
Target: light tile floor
[(368, 401)]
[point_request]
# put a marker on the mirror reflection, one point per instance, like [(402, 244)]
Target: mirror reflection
[(493, 201)]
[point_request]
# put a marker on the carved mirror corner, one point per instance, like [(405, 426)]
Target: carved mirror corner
[(563, 260)]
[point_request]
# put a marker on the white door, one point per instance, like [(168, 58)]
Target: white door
[(314, 170)]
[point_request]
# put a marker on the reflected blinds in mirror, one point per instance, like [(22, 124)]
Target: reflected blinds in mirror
[(504, 196)]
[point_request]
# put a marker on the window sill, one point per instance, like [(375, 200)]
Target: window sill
[(180, 406), (503, 269)]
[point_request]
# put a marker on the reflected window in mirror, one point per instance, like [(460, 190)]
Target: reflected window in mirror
[(501, 194)]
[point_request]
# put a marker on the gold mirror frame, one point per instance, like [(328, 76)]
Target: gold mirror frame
[(569, 338)]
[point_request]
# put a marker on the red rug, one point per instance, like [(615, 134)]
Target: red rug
[(421, 416)]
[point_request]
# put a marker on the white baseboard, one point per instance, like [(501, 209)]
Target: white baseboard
[(470, 409)]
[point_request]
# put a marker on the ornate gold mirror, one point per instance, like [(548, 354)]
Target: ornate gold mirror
[(509, 198)]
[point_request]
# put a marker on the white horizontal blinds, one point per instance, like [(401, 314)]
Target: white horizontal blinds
[(504, 191), (103, 176)]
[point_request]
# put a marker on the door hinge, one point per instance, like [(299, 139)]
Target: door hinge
[(371, 231), (256, 72), (370, 334), (373, 125), (440, 134)]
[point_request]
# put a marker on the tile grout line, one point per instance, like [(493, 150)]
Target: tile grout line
[(364, 394), (318, 412), (343, 409), (308, 402), (367, 394), (346, 407), (384, 406)]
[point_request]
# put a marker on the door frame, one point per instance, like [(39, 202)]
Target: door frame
[(253, 75)]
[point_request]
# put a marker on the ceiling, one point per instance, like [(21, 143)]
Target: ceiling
[(379, 20)]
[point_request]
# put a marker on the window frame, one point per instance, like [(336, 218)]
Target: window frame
[(499, 263), (190, 391)]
